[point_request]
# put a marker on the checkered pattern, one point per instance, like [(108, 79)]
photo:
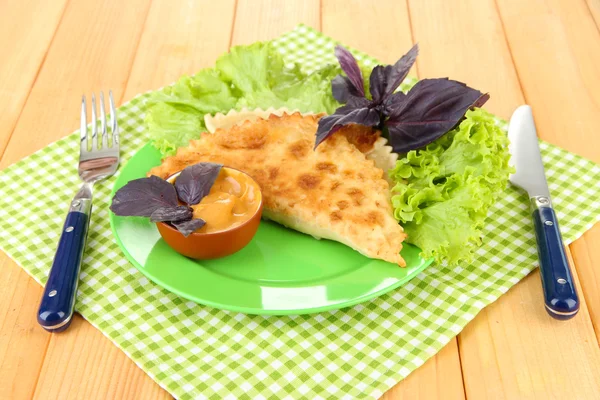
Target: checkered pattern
[(195, 351)]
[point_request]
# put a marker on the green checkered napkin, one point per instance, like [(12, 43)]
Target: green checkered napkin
[(194, 351)]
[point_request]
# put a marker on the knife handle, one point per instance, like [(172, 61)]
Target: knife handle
[(560, 295)]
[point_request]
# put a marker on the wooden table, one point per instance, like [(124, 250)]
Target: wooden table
[(544, 53)]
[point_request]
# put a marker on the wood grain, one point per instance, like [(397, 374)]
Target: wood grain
[(380, 28), (594, 7), (514, 350), (386, 35), (179, 40), (22, 345), (439, 378), (98, 57), (266, 19), (472, 50), (565, 36), (56, 52), (586, 256), (555, 29), (22, 342), (82, 364), (555, 45), (515, 332), (24, 43), (170, 42)]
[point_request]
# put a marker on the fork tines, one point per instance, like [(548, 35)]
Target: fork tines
[(99, 142)]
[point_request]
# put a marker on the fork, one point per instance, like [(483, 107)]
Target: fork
[(98, 159)]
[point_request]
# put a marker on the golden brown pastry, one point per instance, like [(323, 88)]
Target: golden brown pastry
[(333, 192)]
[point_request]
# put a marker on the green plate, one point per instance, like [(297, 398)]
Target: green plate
[(280, 272)]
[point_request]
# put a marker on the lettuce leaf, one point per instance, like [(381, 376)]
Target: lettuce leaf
[(171, 125), (248, 76), (246, 68), (311, 92), (175, 114), (443, 192)]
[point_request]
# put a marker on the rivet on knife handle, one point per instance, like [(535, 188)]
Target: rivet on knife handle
[(560, 294)]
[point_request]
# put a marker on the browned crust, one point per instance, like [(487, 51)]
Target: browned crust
[(333, 192)]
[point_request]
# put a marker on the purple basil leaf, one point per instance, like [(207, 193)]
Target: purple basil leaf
[(332, 123), (195, 181), (392, 102), (385, 80), (351, 68), (352, 104), (188, 227), (342, 89), (397, 72), (378, 83), (141, 197), (481, 100), (171, 214), (429, 110)]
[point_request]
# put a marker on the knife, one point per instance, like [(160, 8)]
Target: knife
[(560, 295)]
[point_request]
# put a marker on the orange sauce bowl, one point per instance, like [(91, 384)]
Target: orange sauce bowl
[(208, 245)]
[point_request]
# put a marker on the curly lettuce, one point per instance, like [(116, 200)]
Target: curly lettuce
[(443, 192), (247, 76)]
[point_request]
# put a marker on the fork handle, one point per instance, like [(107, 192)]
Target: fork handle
[(58, 301)]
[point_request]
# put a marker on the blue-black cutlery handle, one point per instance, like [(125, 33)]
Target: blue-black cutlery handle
[(58, 302), (560, 295)]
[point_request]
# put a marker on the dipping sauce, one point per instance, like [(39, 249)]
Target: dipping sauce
[(233, 199)]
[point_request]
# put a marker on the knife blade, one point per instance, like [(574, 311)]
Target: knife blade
[(560, 295)]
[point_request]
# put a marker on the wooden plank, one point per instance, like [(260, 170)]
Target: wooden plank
[(26, 30), (594, 6), (388, 39), (82, 364), (439, 378), (553, 33), (92, 50), (556, 49), (586, 257), (266, 19), (22, 346), (512, 349), (22, 342), (536, 297), (179, 40), (74, 63), (561, 28), (382, 28), (457, 47), (176, 41)]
